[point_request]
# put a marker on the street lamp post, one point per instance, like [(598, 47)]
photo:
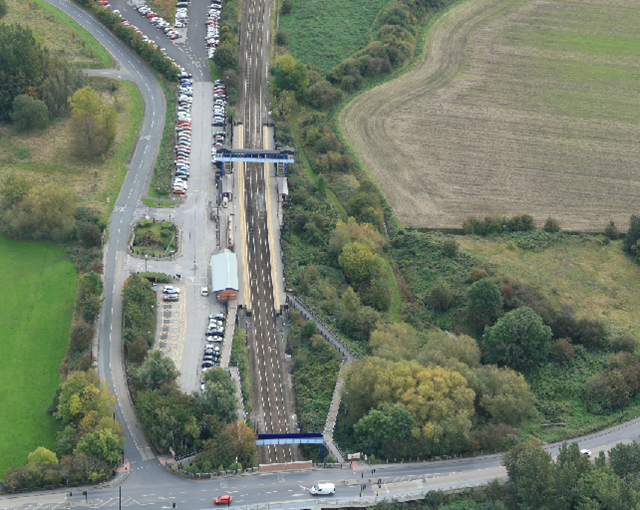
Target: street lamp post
[(146, 256), (346, 404)]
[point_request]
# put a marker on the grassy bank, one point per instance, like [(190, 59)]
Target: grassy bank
[(35, 322), (59, 33), (161, 180), (240, 358)]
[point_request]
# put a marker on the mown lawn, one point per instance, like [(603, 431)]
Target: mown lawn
[(325, 32), (39, 285)]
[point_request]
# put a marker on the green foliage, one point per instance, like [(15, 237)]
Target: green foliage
[(240, 358), (159, 277), (384, 427), (450, 248), (530, 472), (93, 123), (235, 441), (286, 7), (625, 460), (485, 303), (42, 456), (83, 393), (505, 395), (14, 189), (315, 366), (46, 212), (138, 309), (90, 235), (3, 8), (288, 74), (611, 231), (81, 335), (441, 296), (103, 444), (552, 226), (29, 113), (281, 38), (563, 351), (633, 234), (226, 57), (519, 340), (157, 370), (323, 95)]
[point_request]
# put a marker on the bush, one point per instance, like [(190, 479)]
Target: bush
[(281, 38), (611, 231), (3, 8), (552, 226), (563, 351), (633, 234), (226, 57), (592, 332), (81, 336), (450, 248), (441, 296), (623, 340), (90, 235), (29, 113), (286, 7), (322, 95), (521, 223)]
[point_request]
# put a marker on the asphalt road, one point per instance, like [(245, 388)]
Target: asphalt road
[(149, 483)]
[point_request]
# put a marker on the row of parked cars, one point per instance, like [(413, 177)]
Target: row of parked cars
[(182, 150), (219, 116), (213, 27), (214, 339), (170, 293), (127, 23), (161, 23)]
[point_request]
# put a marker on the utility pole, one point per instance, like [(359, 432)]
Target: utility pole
[(120, 497)]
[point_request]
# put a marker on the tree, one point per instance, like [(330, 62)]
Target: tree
[(519, 340), (29, 113), (611, 231), (91, 283), (569, 467), (321, 185), (137, 349), (93, 123), (441, 296), (450, 248), (286, 105), (485, 302), (81, 393), (382, 427), (156, 371), (81, 335), (89, 306), (288, 74), (286, 7), (356, 261), (352, 231), (633, 234), (219, 398), (625, 460), (226, 57), (45, 212), (281, 38), (60, 81), (563, 351), (394, 342), (3, 8), (323, 95), (43, 457), (90, 235), (14, 188), (552, 226), (530, 475), (104, 444), (505, 395), (442, 347)]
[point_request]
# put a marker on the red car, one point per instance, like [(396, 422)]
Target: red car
[(152, 15), (225, 499)]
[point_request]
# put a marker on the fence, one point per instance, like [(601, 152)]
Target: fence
[(322, 327)]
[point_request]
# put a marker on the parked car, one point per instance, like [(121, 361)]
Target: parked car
[(170, 297), (169, 289)]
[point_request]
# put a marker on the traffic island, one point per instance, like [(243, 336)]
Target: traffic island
[(155, 239)]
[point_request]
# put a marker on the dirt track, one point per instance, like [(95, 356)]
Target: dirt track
[(476, 129)]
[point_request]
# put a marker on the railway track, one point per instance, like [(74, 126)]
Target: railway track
[(262, 336)]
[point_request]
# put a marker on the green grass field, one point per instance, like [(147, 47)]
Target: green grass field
[(40, 284), (325, 32)]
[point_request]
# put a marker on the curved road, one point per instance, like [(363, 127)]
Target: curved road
[(149, 483)]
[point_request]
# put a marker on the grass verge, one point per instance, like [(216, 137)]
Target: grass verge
[(214, 72), (35, 323), (66, 43), (161, 180)]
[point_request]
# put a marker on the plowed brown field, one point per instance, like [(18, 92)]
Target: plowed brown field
[(519, 106)]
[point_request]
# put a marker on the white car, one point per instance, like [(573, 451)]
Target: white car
[(586, 452), (204, 291), (168, 289)]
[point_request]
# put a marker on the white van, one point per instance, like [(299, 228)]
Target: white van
[(323, 489), (225, 201)]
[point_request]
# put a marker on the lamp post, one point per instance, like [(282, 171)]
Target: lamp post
[(346, 404), (146, 256)]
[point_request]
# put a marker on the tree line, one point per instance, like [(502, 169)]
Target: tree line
[(205, 421)]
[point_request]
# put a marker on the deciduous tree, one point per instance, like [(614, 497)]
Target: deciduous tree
[(157, 370), (29, 113), (505, 395), (288, 74), (43, 457), (93, 123)]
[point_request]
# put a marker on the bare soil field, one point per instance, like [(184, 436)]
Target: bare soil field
[(519, 106)]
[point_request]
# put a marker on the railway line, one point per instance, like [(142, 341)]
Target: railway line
[(269, 395)]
